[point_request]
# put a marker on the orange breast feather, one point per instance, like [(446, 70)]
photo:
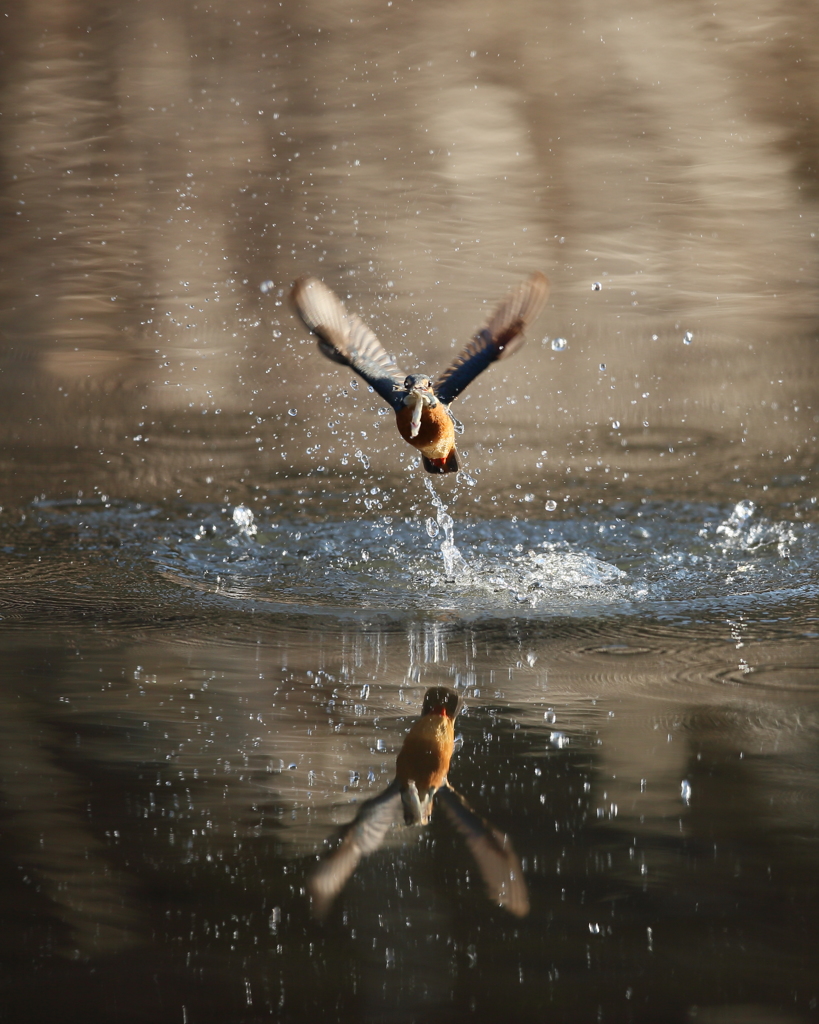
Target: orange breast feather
[(424, 758), (436, 436)]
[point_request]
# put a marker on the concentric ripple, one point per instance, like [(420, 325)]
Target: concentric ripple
[(679, 564)]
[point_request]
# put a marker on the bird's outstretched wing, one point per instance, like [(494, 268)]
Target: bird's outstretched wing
[(363, 835), (493, 853), (502, 335), (345, 338)]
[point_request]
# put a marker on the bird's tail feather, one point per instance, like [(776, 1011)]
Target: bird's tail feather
[(448, 465)]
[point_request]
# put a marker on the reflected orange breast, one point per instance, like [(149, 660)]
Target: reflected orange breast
[(426, 753)]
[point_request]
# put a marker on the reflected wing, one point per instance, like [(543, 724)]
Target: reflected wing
[(502, 336), (345, 338), (493, 853), (363, 835)]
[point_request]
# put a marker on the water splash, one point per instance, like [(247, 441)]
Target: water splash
[(243, 519), (454, 562), (738, 532)]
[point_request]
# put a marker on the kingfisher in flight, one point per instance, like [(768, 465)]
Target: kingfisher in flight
[(421, 772), (421, 405)]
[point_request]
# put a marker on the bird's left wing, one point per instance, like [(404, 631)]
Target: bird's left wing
[(345, 338), (493, 853), (502, 335), (363, 835)]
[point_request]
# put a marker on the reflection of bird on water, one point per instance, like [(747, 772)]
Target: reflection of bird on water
[(420, 775), (421, 407)]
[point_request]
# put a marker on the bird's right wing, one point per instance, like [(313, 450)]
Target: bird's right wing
[(363, 835), (493, 853), (345, 338), (502, 335)]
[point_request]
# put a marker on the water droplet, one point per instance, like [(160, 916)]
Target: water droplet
[(243, 517), (602, 367), (655, 337), (292, 412), (685, 791), (743, 510), (615, 424), (559, 344), (432, 527), (597, 287), (688, 337), (266, 286), (550, 505)]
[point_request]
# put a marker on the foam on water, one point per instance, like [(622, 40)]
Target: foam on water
[(669, 562), (657, 561)]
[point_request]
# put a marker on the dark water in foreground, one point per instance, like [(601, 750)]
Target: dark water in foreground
[(193, 697)]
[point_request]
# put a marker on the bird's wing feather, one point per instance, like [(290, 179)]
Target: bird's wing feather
[(493, 853), (502, 335), (345, 338), (363, 835)]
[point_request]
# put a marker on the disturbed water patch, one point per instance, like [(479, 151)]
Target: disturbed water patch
[(669, 563)]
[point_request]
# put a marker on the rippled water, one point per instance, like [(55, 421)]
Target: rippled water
[(679, 563), (195, 695)]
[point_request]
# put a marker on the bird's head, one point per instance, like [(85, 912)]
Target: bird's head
[(440, 700), (418, 384)]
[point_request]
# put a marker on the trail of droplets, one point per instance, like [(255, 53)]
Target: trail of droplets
[(454, 562)]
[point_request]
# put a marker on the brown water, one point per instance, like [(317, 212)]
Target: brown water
[(224, 585)]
